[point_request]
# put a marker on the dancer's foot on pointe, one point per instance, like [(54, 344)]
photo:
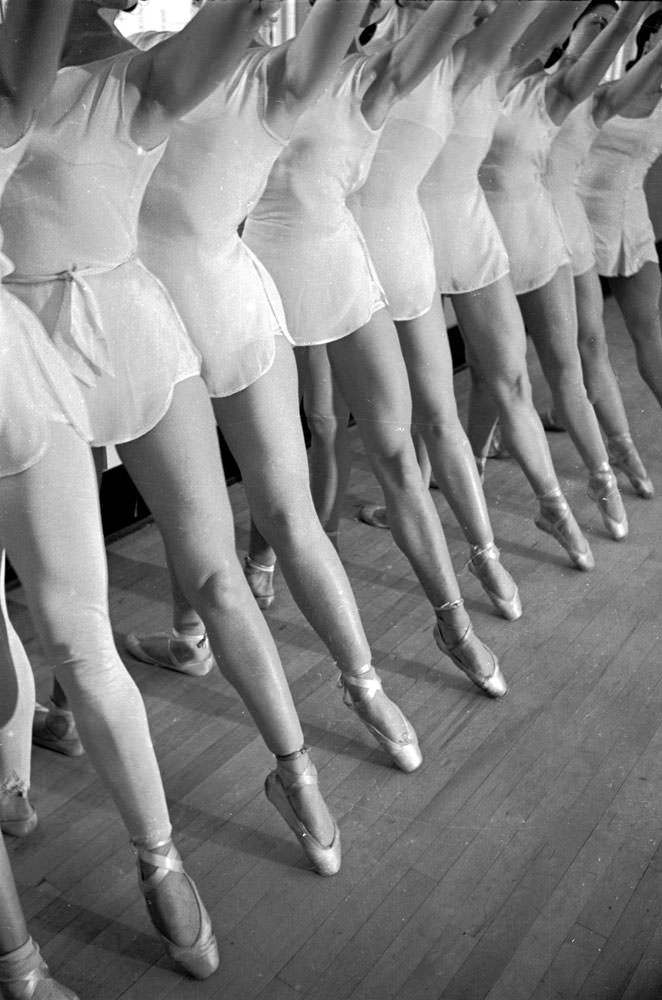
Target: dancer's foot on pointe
[(624, 456), (293, 790), (455, 636), (375, 515), (364, 694), (186, 654), (17, 817), (603, 490), (556, 519), (495, 580), (25, 976), (260, 579)]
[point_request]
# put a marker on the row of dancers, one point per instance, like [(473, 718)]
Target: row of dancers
[(129, 299)]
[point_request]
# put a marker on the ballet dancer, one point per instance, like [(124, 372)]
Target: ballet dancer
[(305, 234), (611, 188), (512, 175), (72, 233)]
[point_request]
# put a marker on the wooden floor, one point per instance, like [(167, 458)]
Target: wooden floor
[(522, 862)]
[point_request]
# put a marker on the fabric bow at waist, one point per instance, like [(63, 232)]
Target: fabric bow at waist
[(79, 333)]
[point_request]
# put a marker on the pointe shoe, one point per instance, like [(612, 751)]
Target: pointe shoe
[(375, 515), (54, 728), (624, 456), (495, 580), (280, 788), (25, 976), (562, 526), (496, 447), (261, 581), (359, 693), (17, 817), (180, 653), (603, 490), (199, 959), (467, 651)]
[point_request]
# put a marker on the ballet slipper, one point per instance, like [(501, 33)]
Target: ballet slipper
[(54, 728), (17, 817), (375, 515), (261, 582), (360, 691), (624, 456), (199, 959), (495, 580), (454, 635), (25, 976), (184, 654), (603, 490), (294, 772)]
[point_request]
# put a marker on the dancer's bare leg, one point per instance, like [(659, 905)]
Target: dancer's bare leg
[(638, 298)]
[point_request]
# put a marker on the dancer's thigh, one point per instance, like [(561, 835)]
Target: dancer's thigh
[(426, 351), (590, 305), (50, 526), (550, 316), (638, 297), (493, 329), (321, 395), (177, 468)]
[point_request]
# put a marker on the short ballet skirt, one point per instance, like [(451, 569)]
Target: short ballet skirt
[(624, 238), (120, 336), (36, 389), (576, 230), (469, 250)]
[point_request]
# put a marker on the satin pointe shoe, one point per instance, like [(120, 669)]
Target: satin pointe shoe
[(359, 693), (54, 728), (375, 515), (455, 637), (280, 787), (17, 817), (184, 654), (25, 976), (495, 580), (199, 959), (260, 579), (558, 521), (624, 456), (603, 490)]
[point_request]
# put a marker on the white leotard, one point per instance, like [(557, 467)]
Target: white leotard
[(612, 189), (513, 178), (70, 214)]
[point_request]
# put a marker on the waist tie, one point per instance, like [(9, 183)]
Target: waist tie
[(79, 334)]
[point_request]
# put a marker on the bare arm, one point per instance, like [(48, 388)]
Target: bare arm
[(487, 49), (573, 83), (176, 75), (400, 68), (31, 39), (552, 26), (615, 97), (303, 68)]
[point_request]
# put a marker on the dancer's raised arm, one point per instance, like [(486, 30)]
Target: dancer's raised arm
[(487, 49), (300, 70), (614, 98), (31, 39), (576, 79), (178, 73), (553, 24), (397, 70)]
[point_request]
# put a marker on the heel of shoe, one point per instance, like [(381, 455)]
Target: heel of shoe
[(467, 651), (359, 691), (485, 565), (23, 973), (201, 958), (260, 579), (325, 860)]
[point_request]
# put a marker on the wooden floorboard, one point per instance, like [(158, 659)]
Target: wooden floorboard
[(523, 862)]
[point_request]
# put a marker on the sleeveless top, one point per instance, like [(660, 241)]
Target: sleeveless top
[(469, 251), (387, 207), (302, 229), (612, 189), (513, 178), (70, 213), (36, 387), (211, 176), (569, 150)]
